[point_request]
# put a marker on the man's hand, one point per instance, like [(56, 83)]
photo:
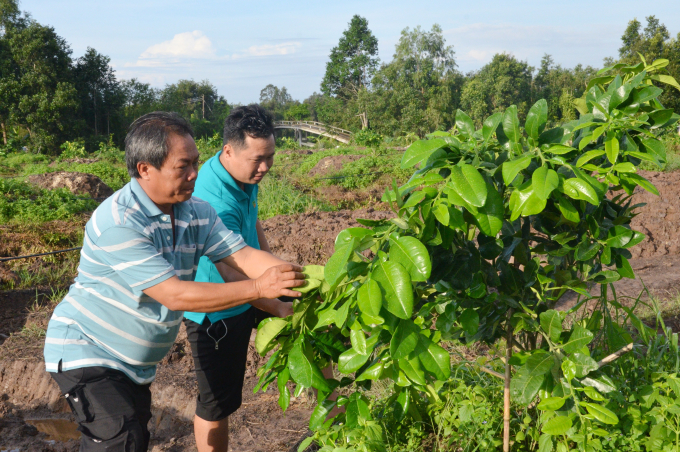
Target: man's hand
[(284, 309), (277, 281)]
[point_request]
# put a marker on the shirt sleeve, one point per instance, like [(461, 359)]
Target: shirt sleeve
[(221, 241), (133, 257)]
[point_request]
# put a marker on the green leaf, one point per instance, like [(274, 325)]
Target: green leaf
[(336, 267), (468, 184), (611, 147), (655, 148), (284, 394), (464, 123), (602, 384), (624, 268), (320, 414), (641, 181), (545, 443), (405, 339), (434, 358), (310, 285), (601, 413), (588, 156), (539, 363), (525, 203), (489, 217), (395, 284), (421, 150), (586, 250), (491, 124), (579, 338), (568, 369), (584, 364), (625, 167), (551, 323), (578, 189), (372, 373), (667, 79), (357, 410), (266, 332), (512, 167), (569, 211), (511, 124), (413, 370), (441, 213), (593, 394), (557, 426), (402, 403), (413, 256), (369, 298), (524, 387), (344, 237), (303, 370), (351, 361), (536, 119), (316, 271), (358, 341), (544, 181), (551, 404), (469, 320), (619, 236)]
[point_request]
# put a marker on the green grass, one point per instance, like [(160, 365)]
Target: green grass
[(22, 203), (280, 197)]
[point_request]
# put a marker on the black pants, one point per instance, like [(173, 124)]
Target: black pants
[(112, 411), (220, 352)]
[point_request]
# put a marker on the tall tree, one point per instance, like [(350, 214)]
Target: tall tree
[(99, 91), (39, 74), (419, 90), (276, 100), (503, 82), (199, 102), (352, 62)]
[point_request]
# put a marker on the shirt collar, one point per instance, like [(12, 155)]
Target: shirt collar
[(229, 181)]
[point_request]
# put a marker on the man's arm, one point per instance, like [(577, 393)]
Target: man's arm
[(264, 245), (273, 306), (275, 281)]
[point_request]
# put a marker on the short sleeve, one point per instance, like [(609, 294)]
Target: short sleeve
[(133, 257), (221, 242), (231, 217)]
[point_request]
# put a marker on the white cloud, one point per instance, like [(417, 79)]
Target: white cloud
[(285, 48), (192, 44)]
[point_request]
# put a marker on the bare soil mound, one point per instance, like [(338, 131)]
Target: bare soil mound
[(332, 164), (78, 183), (660, 218), (309, 238)]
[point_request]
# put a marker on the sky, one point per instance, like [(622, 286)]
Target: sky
[(241, 47)]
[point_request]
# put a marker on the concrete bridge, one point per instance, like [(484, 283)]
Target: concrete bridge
[(317, 128)]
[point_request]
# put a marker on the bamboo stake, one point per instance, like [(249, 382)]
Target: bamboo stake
[(506, 389)]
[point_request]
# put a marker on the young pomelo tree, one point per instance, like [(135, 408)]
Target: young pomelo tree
[(494, 227)]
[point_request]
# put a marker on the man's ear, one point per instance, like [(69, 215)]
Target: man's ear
[(143, 170), (228, 150)]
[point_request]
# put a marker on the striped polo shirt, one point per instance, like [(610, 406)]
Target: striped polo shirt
[(237, 208), (105, 319)]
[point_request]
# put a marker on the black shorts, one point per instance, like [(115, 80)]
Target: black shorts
[(112, 410), (220, 351)]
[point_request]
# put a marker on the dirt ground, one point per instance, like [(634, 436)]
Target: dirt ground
[(259, 425)]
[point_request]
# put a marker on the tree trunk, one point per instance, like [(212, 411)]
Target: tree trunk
[(4, 133), (506, 389)]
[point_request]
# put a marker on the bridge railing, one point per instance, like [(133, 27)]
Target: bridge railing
[(315, 125)]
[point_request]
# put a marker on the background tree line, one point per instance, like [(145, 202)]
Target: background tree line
[(48, 97)]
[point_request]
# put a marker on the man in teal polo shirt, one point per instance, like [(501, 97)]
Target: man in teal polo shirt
[(219, 340)]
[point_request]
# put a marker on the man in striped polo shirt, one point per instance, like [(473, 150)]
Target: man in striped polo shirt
[(140, 254)]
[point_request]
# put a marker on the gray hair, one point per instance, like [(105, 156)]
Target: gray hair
[(147, 139)]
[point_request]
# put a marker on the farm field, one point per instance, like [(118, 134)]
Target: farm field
[(302, 215), (304, 232)]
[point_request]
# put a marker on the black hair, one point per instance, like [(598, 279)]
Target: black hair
[(251, 120), (148, 136)]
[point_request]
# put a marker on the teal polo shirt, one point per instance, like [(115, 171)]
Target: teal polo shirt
[(238, 211)]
